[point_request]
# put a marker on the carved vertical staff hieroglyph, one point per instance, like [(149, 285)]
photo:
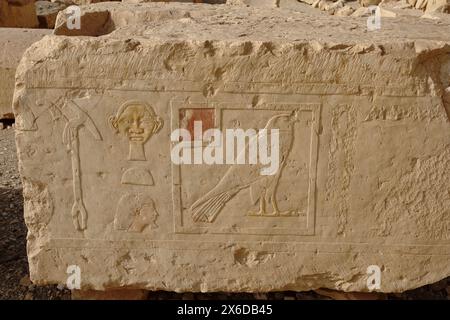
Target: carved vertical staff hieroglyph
[(77, 119)]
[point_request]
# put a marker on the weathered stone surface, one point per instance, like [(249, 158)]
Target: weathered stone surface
[(344, 11), (438, 5), (365, 12), (421, 4), (103, 18), (47, 12), (182, 1), (13, 42), (295, 3), (367, 3), (290, 4), (255, 3), (434, 15), (18, 14), (365, 139), (329, 6)]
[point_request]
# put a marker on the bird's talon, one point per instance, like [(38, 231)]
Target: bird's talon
[(256, 214), (289, 213)]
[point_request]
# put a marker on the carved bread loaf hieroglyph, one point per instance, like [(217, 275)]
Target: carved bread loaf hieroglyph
[(363, 177)]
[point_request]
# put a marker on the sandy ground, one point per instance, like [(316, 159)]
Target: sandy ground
[(14, 275), (14, 278)]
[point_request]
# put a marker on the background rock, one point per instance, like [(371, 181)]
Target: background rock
[(18, 14), (438, 6), (13, 42), (47, 12)]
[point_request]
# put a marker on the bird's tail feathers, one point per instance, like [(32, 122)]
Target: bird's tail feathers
[(207, 210)]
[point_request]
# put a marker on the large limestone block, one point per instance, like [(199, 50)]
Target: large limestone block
[(13, 42), (363, 179), (18, 14), (102, 18)]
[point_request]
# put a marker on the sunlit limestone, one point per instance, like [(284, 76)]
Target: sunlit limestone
[(355, 200)]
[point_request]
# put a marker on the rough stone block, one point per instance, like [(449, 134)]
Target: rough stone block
[(255, 3), (47, 12), (102, 18), (438, 6), (13, 42), (362, 186)]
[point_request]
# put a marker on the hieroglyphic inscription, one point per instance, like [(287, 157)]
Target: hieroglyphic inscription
[(237, 198), (262, 188), (343, 130), (135, 212), (76, 119), (138, 122)]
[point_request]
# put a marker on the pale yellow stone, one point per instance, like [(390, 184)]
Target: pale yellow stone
[(421, 4), (430, 15), (13, 43), (384, 13), (255, 3), (330, 7), (293, 4), (101, 18), (344, 11), (400, 5), (367, 3), (438, 5), (365, 12), (361, 12), (365, 138)]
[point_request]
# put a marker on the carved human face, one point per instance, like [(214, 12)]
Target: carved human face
[(137, 123), (149, 213)]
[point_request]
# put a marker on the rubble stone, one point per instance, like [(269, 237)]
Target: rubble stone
[(438, 6), (47, 12)]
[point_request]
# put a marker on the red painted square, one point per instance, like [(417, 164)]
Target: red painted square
[(189, 116)]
